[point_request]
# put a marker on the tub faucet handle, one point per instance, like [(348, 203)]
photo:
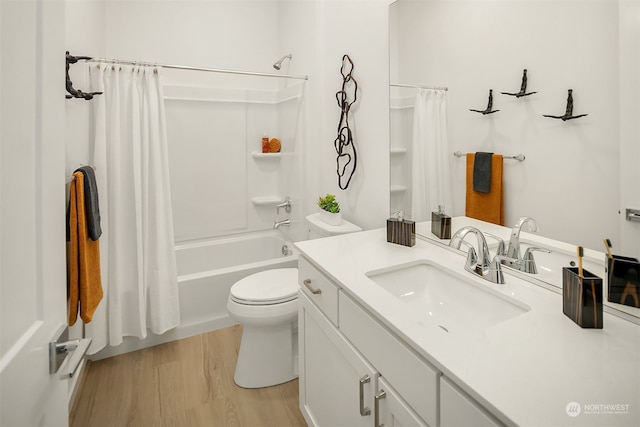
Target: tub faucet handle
[(286, 204)]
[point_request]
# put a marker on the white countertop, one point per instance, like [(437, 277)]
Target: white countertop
[(525, 370)]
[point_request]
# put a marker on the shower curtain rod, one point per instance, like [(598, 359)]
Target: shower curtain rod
[(187, 67), (420, 86)]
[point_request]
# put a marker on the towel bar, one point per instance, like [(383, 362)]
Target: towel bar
[(519, 157)]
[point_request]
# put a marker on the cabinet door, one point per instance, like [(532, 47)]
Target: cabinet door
[(458, 409), (336, 383), (391, 411), (414, 378)]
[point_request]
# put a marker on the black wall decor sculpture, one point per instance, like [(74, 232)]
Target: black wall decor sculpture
[(489, 109), (75, 93), (523, 87), (568, 115), (347, 159)]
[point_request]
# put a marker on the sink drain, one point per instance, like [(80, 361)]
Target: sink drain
[(443, 328)]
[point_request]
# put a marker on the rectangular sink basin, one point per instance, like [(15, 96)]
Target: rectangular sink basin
[(450, 299)]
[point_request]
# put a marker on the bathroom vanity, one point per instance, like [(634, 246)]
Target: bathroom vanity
[(393, 335)]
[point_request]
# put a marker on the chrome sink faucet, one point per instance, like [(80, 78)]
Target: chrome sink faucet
[(525, 263), (513, 251), (480, 264), (482, 258)]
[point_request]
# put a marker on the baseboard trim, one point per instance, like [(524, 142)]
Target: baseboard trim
[(130, 344)]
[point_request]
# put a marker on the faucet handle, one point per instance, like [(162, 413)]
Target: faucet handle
[(495, 274), (529, 256), (286, 204), (501, 248), (472, 257), (528, 262)]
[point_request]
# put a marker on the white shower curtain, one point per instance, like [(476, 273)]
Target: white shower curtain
[(130, 155), (430, 171)]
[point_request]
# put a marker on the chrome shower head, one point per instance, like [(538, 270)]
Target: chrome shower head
[(278, 63)]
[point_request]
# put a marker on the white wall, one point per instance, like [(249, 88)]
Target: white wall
[(85, 36), (320, 33), (359, 29), (251, 35), (569, 181)]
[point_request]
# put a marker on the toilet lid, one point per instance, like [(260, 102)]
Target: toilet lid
[(267, 287)]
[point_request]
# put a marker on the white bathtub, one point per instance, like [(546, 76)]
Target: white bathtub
[(208, 269)]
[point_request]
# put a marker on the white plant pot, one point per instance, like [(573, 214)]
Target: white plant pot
[(330, 218)]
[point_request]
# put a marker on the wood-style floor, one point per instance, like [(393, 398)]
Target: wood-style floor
[(184, 383)]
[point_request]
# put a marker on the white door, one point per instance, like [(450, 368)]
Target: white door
[(32, 211), (629, 53)]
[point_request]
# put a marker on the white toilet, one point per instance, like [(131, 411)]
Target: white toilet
[(266, 304)]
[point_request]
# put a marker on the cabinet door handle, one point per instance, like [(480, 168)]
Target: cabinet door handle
[(307, 283), (364, 380), (376, 407)]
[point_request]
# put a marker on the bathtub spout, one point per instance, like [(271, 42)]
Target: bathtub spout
[(278, 224)]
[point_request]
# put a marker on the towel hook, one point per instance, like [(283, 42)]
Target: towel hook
[(568, 114), (523, 87), (75, 93), (489, 109)]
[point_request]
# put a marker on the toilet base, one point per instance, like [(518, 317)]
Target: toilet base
[(268, 356)]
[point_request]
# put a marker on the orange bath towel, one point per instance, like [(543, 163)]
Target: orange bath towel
[(84, 286), (486, 206)]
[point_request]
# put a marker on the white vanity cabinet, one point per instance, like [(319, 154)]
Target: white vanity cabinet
[(336, 384), (480, 372), (339, 375), (459, 410)]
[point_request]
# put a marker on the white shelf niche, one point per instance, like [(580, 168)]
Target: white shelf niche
[(266, 200)]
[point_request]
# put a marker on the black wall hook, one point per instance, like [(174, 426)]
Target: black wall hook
[(568, 115), (75, 93), (489, 109), (523, 87)]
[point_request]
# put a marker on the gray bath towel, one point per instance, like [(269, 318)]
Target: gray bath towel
[(91, 204), (482, 172)]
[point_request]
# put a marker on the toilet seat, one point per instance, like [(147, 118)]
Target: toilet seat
[(267, 287)]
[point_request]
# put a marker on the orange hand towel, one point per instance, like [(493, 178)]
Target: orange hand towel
[(84, 285), (486, 206)]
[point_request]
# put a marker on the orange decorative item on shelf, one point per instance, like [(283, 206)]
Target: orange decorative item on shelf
[(274, 145)]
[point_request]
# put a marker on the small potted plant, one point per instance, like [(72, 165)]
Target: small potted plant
[(330, 210)]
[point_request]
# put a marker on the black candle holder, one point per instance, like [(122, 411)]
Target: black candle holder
[(623, 280)]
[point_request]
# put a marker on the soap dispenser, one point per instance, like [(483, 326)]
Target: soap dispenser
[(441, 223), (401, 231)]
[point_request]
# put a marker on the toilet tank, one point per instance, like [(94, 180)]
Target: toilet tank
[(317, 228)]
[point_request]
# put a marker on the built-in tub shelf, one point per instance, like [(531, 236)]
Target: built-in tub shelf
[(266, 200), (261, 155), (398, 151), (397, 188)]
